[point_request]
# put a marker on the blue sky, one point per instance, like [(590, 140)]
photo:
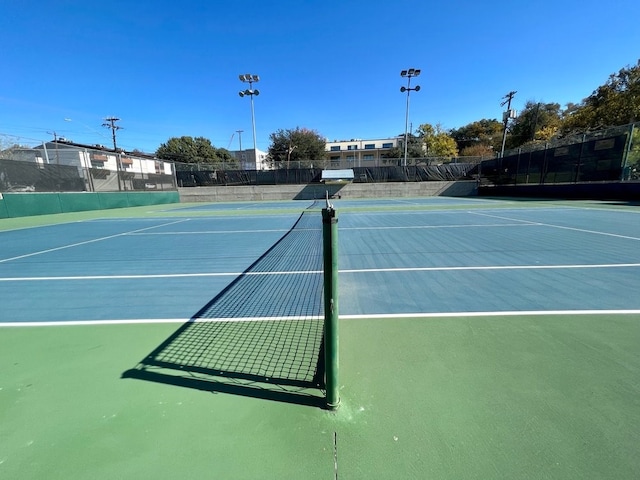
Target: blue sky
[(170, 68)]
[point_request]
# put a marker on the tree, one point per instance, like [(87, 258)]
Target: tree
[(537, 123), (477, 150), (8, 143), (301, 147), (617, 102), (414, 150), (479, 138), (437, 141), (633, 158), (195, 150)]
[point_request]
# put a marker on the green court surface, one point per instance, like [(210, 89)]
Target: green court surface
[(545, 393), (500, 397)]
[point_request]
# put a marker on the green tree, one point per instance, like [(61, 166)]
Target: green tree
[(396, 154), (537, 123), (479, 138), (299, 147), (617, 102), (478, 150), (633, 158), (437, 141), (195, 150)]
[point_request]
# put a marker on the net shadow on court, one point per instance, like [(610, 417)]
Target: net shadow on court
[(262, 336)]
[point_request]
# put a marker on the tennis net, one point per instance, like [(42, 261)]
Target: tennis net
[(265, 327)]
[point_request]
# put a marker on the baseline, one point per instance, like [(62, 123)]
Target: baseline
[(391, 316)]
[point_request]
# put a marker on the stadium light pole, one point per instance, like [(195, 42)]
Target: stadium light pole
[(408, 74), (251, 79)]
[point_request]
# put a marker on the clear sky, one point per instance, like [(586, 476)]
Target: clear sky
[(170, 68)]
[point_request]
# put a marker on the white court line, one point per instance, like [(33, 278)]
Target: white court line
[(318, 272), (89, 241), (556, 226), (492, 267), (480, 225), (473, 225), (159, 275), (375, 316), (489, 314), (278, 230)]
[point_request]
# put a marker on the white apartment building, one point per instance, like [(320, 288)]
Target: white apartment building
[(340, 154), (95, 165), (359, 152), (251, 159)]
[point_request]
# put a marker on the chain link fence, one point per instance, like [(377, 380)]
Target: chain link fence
[(61, 167), (607, 155), (300, 173)]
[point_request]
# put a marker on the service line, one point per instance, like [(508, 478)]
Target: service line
[(100, 239), (370, 316), (318, 272)]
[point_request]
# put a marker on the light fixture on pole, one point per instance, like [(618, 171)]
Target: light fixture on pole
[(251, 79), (412, 72)]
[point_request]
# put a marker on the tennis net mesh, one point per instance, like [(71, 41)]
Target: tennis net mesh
[(266, 326)]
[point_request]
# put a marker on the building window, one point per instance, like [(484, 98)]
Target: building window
[(350, 158), (335, 148), (352, 147), (369, 146), (367, 156), (387, 145), (335, 161)]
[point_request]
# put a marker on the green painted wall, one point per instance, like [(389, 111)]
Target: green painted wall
[(27, 204), (78, 202), (3, 207)]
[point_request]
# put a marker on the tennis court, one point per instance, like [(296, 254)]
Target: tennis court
[(479, 338)]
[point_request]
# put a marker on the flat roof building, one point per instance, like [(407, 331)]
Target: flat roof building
[(359, 152)]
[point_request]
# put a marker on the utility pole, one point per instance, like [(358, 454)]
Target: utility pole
[(239, 132), (110, 122), (55, 140), (535, 122), (506, 116)]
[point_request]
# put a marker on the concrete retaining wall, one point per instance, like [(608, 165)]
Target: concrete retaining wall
[(306, 192)]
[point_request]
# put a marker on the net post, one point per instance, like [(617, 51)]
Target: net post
[(330, 256)]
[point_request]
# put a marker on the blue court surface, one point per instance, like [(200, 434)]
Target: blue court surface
[(479, 338), (396, 257)]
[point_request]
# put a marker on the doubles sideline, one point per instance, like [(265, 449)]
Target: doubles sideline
[(317, 272)]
